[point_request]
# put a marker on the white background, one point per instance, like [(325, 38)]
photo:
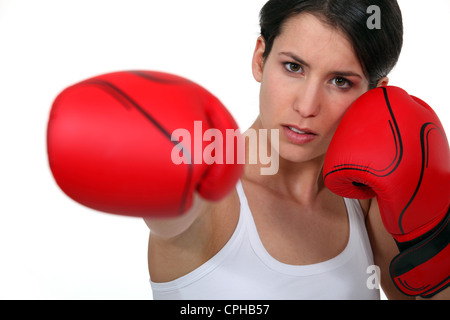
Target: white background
[(53, 248)]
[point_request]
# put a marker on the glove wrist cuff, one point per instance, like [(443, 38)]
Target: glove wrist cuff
[(422, 267)]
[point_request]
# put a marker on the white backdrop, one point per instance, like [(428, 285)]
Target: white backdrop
[(53, 248)]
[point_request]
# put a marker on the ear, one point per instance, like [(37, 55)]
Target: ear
[(258, 60), (383, 82)]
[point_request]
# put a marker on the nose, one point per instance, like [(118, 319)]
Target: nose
[(307, 102)]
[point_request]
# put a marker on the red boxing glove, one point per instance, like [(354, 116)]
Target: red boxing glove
[(392, 145), (111, 144)]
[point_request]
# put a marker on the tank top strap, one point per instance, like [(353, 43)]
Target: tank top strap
[(303, 270), (245, 209)]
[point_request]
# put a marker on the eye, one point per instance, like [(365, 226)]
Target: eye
[(293, 67), (341, 82)]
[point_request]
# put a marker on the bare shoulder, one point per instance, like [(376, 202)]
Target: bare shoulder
[(170, 257)]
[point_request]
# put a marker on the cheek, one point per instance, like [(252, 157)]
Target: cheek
[(270, 102), (335, 114), (345, 103)]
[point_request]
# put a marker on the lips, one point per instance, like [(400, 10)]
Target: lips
[(300, 131), (298, 135)]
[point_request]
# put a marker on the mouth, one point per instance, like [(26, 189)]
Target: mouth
[(301, 131), (298, 135)]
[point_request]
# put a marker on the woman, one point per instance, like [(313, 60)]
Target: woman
[(286, 236)]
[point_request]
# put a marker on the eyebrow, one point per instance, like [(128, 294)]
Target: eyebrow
[(294, 57), (337, 73)]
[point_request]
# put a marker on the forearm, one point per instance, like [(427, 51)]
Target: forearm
[(167, 228), (443, 295)]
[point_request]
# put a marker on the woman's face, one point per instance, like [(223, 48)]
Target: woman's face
[(308, 81)]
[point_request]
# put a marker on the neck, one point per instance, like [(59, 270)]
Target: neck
[(301, 181)]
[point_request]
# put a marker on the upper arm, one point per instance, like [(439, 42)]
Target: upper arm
[(384, 250)]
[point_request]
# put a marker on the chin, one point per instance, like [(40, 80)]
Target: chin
[(300, 154)]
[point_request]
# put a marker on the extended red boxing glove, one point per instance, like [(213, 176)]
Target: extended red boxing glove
[(392, 146), (112, 144)]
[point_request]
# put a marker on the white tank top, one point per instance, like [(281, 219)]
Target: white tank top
[(244, 270)]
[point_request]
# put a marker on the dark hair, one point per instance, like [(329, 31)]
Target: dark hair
[(378, 50)]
